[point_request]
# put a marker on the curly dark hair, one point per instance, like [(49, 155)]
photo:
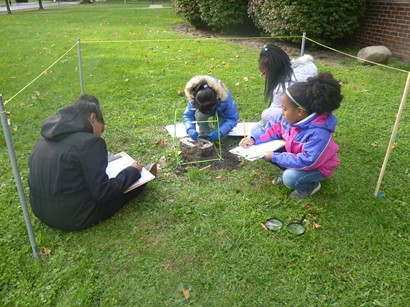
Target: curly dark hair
[(318, 94)]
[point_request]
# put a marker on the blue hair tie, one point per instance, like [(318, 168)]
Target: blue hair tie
[(265, 47)]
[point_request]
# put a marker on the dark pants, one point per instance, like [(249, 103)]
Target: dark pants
[(107, 209)]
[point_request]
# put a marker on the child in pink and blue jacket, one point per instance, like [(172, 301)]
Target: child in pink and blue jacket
[(307, 125)]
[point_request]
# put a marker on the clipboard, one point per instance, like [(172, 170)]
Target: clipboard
[(256, 152), (123, 160)]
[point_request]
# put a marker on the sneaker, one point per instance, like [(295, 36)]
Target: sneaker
[(152, 168), (278, 180), (303, 193)]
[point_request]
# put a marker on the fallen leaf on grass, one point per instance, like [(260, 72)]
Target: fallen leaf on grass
[(312, 216), (237, 190), (180, 93), (307, 207), (46, 251), (316, 225), (263, 226), (168, 266), (160, 142), (186, 293), (375, 145), (395, 145)]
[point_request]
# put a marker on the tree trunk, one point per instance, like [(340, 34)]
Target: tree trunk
[(40, 5), (8, 7)]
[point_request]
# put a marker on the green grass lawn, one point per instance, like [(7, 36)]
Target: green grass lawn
[(198, 230)]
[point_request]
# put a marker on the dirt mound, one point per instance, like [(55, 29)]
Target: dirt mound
[(229, 161)]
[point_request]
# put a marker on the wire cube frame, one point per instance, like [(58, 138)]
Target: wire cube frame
[(217, 145)]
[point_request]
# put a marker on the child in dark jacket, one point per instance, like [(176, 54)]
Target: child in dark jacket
[(69, 187), (307, 125), (207, 96)]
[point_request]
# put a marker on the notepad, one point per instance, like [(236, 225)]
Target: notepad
[(122, 161), (256, 152)]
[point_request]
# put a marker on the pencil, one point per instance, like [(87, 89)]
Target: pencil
[(244, 133)]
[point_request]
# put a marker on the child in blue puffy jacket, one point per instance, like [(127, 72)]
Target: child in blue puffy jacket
[(207, 96)]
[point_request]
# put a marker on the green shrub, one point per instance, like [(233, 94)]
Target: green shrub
[(189, 11), (323, 20), (219, 15), (224, 15)]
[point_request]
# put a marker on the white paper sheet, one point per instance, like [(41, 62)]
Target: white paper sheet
[(116, 166), (239, 130)]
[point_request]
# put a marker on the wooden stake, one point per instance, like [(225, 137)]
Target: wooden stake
[(393, 134)]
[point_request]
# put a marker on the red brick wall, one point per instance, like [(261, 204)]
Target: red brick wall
[(385, 23)]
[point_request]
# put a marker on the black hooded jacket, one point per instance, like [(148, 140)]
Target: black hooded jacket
[(67, 177)]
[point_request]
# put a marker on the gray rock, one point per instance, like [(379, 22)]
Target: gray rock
[(377, 54)]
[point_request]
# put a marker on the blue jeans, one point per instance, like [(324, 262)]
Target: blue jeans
[(203, 125), (296, 180)]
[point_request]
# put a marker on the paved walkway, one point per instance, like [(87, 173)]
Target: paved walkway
[(33, 5)]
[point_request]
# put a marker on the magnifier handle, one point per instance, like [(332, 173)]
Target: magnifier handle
[(303, 218)]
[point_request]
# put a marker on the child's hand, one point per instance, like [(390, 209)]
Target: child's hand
[(193, 134), (268, 156), (138, 165), (214, 136), (246, 143)]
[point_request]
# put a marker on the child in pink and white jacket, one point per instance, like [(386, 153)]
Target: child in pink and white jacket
[(307, 125)]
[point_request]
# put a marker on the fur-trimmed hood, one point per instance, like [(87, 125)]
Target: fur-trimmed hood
[(214, 83)]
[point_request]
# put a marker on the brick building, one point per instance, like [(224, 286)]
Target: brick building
[(386, 22)]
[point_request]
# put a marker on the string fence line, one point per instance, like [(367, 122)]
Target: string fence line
[(190, 39), (42, 73), (198, 39), (355, 57)]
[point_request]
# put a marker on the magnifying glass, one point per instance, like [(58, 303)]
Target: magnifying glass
[(296, 228), (274, 224)]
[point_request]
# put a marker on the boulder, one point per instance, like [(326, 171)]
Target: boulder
[(377, 54)]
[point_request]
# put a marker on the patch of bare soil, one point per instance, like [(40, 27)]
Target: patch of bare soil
[(229, 161), (293, 50)]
